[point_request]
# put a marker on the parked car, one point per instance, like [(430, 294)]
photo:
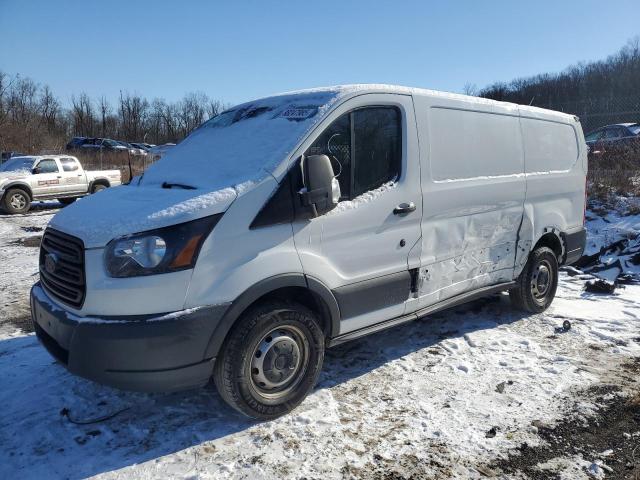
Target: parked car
[(61, 177), (91, 144), (133, 150), (614, 140), (142, 146), (7, 155), (156, 152), (297, 222), (76, 142)]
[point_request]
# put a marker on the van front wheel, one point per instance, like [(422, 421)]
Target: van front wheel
[(537, 283), (271, 360)]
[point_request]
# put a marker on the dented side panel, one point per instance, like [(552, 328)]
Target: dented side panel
[(470, 221)]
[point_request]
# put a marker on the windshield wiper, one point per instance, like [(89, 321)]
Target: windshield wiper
[(178, 185)]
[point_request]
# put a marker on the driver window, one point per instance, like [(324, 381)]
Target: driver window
[(47, 166), (365, 147), (335, 142)]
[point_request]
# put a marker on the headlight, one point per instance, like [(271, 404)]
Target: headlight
[(162, 250)]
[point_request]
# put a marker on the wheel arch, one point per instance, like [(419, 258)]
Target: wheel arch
[(22, 186), (552, 238), (306, 290), (99, 181)]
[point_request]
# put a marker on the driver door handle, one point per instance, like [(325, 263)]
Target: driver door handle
[(404, 208)]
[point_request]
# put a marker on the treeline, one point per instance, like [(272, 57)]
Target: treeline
[(33, 120), (601, 92)]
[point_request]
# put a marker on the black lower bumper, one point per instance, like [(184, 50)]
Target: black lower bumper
[(140, 353), (574, 244)]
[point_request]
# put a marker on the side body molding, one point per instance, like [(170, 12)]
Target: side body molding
[(264, 287)]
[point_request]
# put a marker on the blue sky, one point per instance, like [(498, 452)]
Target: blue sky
[(240, 50)]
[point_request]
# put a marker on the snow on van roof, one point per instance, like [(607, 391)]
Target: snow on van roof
[(250, 140), (342, 91)]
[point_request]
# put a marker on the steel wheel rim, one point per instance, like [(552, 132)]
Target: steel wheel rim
[(279, 361), (541, 280), (18, 201)]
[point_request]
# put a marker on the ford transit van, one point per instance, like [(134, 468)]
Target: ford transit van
[(293, 223)]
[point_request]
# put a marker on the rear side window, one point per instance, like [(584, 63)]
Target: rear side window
[(47, 166), (548, 146), (612, 133), (69, 164), (467, 144), (365, 146)]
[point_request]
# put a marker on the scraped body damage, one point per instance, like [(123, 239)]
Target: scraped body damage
[(469, 252)]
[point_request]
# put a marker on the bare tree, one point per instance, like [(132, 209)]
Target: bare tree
[(83, 116), (49, 109), (105, 110), (470, 89), (133, 111)]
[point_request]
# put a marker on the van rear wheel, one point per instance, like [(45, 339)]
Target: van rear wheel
[(271, 360), (537, 284)]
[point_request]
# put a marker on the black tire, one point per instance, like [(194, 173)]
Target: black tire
[(261, 335), (16, 200), (67, 200), (537, 284), (98, 188)]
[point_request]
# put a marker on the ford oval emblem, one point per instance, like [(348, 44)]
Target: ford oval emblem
[(50, 263)]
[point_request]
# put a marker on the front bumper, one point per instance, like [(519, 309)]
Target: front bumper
[(148, 353)]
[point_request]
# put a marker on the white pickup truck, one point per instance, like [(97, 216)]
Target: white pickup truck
[(46, 177)]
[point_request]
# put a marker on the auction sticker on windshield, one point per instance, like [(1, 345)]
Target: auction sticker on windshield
[(298, 113)]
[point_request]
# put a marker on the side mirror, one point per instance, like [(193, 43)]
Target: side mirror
[(321, 189), (36, 170)]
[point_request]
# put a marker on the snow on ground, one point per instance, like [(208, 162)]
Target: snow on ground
[(19, 262), (441, 397)]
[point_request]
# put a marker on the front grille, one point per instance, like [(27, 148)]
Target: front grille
[(64, 277)]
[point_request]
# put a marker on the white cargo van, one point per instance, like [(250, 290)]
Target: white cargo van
[(293, 223)]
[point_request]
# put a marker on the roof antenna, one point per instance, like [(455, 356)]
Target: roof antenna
[(532, 99)]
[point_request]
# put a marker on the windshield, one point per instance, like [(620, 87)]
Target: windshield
[(244, 143), (16, 164), (635, 129)]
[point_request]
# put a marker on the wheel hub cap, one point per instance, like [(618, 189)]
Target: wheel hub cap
[(276, 360), (541, 281), (18, 201)]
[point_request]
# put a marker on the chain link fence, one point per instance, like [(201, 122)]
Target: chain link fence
[(600, 111)]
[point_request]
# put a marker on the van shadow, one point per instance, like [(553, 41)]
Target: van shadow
[(39, 398)]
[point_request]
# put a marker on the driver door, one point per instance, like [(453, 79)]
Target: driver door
[(46, 178), (361, 249)]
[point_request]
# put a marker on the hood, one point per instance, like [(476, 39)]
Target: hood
[(118, 211), (14, 175)]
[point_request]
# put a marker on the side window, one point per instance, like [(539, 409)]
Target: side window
[(611, 133), (335, 142), (593, 136), (365, 146), (377, 148), (69, 164), (47, 166)]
